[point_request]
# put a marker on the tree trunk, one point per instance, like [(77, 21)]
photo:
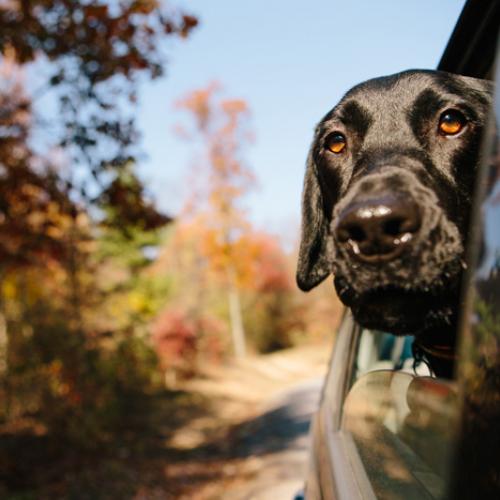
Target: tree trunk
[(4, 345), (236, 320)]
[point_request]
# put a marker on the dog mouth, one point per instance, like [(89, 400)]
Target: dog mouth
[(401, 311)]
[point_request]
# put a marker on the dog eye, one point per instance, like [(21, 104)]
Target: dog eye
[(451, 122), (336, 142)]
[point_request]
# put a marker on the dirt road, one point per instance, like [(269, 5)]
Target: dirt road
[(255, 445), (275, 446)]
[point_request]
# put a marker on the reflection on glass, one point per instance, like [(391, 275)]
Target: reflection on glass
[(404, 429)]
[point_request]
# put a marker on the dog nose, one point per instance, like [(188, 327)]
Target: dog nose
[(378, 230)]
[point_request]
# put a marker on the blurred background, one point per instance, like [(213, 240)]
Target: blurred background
[(151, 164)]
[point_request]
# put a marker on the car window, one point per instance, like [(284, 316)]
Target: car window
[(401, 419)]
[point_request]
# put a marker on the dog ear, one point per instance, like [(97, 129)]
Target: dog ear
[(313, 266)]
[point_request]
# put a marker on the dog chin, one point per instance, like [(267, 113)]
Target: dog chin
[(400, 311)]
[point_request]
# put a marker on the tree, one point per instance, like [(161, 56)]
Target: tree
[(32, 204), (68, 149), (93, 55), (87, 59), (221, 126)]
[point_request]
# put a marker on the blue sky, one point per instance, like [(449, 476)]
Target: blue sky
[(291, 61)]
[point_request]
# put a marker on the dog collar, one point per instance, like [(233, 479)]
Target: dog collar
[(439, 351)]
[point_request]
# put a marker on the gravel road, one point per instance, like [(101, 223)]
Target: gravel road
[(275, 445)]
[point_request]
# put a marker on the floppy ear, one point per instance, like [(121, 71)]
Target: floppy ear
[(313, 266)]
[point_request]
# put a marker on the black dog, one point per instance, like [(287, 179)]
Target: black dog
[(386, 200)]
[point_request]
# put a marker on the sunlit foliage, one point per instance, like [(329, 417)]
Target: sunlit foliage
[(77, 227)]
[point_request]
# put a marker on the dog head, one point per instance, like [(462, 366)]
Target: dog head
[(387, 193)]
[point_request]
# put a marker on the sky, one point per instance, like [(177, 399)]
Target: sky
[(291, 61)]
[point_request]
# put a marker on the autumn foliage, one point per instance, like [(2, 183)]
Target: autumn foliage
[(106, 304), (86, 59), (75, 219), (222, 268)]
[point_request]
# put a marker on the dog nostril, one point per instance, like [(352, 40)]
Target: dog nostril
[(351, 232), (394, 227), (378, 230)]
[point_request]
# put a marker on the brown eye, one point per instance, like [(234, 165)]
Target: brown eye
[(451, 122), (336, 142)]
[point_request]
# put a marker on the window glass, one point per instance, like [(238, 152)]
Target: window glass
[(403, 426), (401, 419)]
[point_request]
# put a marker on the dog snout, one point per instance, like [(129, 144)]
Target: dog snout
[(378, 229)]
